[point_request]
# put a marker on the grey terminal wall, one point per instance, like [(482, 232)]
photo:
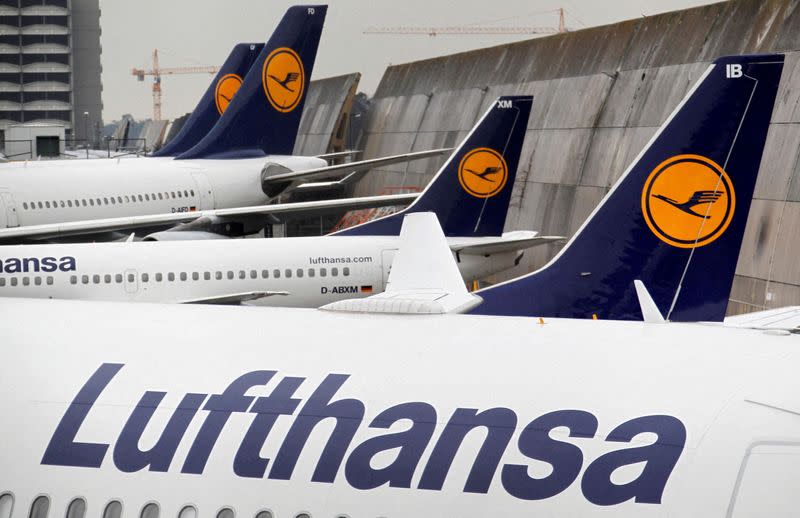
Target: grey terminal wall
[(600, 94)]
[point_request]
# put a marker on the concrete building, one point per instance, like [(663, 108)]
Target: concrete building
[(50, 65)]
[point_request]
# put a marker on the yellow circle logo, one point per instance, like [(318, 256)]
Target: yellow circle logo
[(483, 172), (688, 201), (227, 87), (283, 78)]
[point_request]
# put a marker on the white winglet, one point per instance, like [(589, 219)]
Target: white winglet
[(424, 278), (650, 311)]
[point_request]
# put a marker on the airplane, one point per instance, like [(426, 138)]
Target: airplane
[(302, 271), (674, 220), (150, 409), (244, 160)]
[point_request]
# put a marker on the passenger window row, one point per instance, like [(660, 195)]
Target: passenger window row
[(206, 276), (109, 200), (40, 507), (26, 281)]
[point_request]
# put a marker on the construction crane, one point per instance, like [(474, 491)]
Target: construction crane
[(472, 29), (157, 72)]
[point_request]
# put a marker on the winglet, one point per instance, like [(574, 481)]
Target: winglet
[(424, 278), (648, 306)]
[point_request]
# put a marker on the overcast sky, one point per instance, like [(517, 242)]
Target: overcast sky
[(202, 32)]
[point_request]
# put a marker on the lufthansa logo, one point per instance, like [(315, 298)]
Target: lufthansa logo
[(283, 78), (688, 201), (483, 172), (227, 87)]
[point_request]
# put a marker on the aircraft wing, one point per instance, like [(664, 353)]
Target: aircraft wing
[(785, 319), (424, 278), (351, 167), (508, 242), (234, 298), (76, 228)]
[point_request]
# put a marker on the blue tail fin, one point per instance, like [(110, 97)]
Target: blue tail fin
[(676, 217), (471, 192), (264, 116), (216, 99)]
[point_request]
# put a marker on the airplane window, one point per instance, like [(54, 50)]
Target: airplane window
[(140, 198), (225, 512), (91, 202), (276, 274), (160, 197), (39, 507), (77, 203), (127, 199), (41, 206), (131, 277), (55, 204), (218, 275), (6, 505), (37, 281), (145, 277), (147, 197), (73, 279), (300, 272), (2, 282), (173, 195), (105, 201), (288, 273), (77, 508), (346, 271), (230, 275), (170, 276), (119, 199), (13, 281), (242, 274), (113, 201), (69, 203), (195, 276), (47, 204), (188, 511), (334, 272), (49, 280), (153, 195), (26, 281), (192, 191), (96, 279), (186, 194), (118, 278), (183, 276), (311, 272), (253, 274), (265, 274), (113, 509), (24, 206), (99, 202), (302, 515), (207, 276), (85, 279), (179, 194), (149, 511), (264, 514), (323, 272), (107, 278), (159, 277), (61, 202)]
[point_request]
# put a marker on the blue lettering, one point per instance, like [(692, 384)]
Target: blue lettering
[(49, 264), (13, 266), (566, 459), (412, 444), (660, 458), (62, 449), (30, 264), (220, 407), (500, 424), (348, 414), (127, 455), (67, 264), (248, 462)]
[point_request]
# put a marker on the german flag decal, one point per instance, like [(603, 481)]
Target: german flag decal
[(366, 289)]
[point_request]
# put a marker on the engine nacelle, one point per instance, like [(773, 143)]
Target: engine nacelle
[(183, 235)]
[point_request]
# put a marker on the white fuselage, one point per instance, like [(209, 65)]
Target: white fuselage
[(37, 193), (305, 411), (313, 271)]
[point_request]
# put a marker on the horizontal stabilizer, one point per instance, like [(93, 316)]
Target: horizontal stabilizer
[(235, 298), (77, 228), (508, 242), (780, 319), (350, 167), (424, 278)]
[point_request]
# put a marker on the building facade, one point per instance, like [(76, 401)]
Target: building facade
[(50, 65)]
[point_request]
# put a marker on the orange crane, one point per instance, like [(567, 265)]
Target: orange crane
[(157, 72), (472, 29)]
